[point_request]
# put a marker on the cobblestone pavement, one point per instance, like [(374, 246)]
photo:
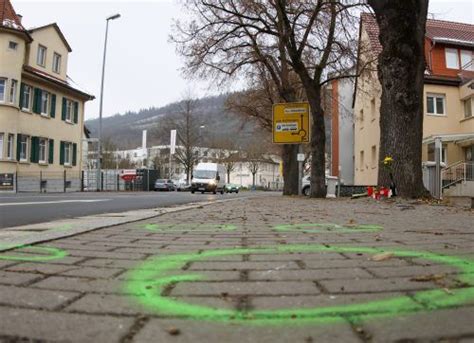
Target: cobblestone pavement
[(254, 270)]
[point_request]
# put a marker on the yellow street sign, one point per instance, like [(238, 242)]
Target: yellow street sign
[(291, 123)]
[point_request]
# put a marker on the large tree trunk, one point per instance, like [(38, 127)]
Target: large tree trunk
[(401, 68), (290, 169), (318, 146)]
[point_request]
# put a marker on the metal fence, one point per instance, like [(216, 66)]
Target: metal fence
[(76, 181), (47, 182)]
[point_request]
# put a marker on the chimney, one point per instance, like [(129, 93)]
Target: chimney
[(20, 17)]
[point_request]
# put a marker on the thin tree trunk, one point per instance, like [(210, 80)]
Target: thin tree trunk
[(401, 69)]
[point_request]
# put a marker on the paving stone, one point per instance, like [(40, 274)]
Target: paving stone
[(296, 256), (36, 298), (80, 285), (245, 288), (91, 272), (14, 278), (310, 274), (244, 265), (55, 326), (40, 268), (316, 301), (427, 326), (157, 330), (370, 285)]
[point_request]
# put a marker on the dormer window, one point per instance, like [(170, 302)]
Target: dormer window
[(57, 63), (12, 45), (41, 57), (452, 58)]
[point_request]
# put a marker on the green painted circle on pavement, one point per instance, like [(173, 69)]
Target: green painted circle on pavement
[(193, 227), (44, 253), (327, 228), (151, 278)]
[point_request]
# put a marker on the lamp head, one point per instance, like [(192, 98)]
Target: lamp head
[(113, 17)]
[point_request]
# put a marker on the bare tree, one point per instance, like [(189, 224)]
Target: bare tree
[(227, 154), (187, 134), (401, 67), (109, 160), (227, 38), (309, 38)]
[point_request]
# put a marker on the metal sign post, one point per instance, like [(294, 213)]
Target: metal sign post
[(300, 159)]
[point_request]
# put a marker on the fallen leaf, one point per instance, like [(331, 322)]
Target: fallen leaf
[(427, 278), (382, 257), (173, 331)]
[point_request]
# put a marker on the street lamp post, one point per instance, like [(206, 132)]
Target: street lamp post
[(99, 147)]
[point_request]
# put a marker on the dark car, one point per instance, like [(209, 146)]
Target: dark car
[(164, 185), (231, 188)]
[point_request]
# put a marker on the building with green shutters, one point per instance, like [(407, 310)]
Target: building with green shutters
[(41, 112)]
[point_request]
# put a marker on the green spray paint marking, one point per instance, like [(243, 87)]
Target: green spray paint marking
[(149, 280), (44, 253), (193, 227), (327, 228)]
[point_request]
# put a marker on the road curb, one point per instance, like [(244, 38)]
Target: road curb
[(49, 231)]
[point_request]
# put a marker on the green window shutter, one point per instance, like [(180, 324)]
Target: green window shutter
[(51, 151), (76, 111), (34, 156), (64, 109), (22, 90), (18, 147), (61, 153), (37, 101), (74, 154), (53, 106)]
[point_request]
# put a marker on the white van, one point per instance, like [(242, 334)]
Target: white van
[(208, 177)]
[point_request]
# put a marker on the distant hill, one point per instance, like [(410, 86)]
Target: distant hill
[(125, 130)]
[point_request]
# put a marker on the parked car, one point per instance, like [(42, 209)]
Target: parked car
[(306, 183), (231, 188), (164, 185), (182, 186)]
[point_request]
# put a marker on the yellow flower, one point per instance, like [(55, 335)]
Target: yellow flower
[(387, 160)]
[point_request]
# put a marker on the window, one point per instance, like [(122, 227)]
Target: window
[(23, 148), (56, 63), (452, 59), (10, 145), (444, 153), (361, 115), (374, 156), (41, 57), (42, 150), (70, 111), (13, 90), (1, 146), (361, 162), (44, 103), (466, 60), (12, 45), (435, 104), (3, 83), (372, 108), (67, 153), (467, 108), (26, 98)]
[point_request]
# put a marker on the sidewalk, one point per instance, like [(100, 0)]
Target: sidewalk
[(251, 270)]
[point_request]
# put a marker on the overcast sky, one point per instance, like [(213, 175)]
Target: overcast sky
[(142, 67)]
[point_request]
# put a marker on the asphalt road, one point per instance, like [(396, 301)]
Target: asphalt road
[(24, 209)]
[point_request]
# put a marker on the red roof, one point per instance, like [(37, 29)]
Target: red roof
[(8, 16), (445, 31)]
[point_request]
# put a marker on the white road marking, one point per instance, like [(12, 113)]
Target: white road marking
[(51, 202)]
